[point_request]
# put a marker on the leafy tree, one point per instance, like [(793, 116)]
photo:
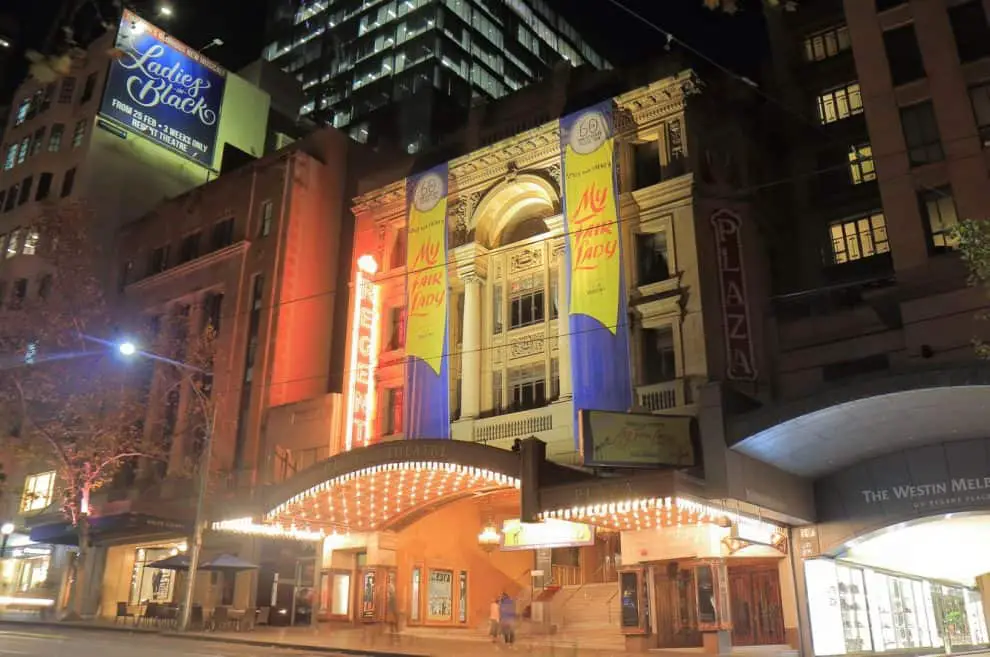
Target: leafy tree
[(71, 401), (974, 244)]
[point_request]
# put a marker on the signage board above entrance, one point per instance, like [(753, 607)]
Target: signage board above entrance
[(550, 533), (161, 89), (627, 440)]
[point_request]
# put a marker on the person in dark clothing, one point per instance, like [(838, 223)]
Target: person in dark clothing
[(507, 618)]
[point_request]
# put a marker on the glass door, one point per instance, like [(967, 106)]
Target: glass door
[(855, 616)]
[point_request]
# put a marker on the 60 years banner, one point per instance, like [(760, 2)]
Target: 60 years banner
[(598, 321), (164, 90), (427, 370)]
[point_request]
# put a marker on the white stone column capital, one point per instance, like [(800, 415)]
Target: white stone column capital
[(471, 262)]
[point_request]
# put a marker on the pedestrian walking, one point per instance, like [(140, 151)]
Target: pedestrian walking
[(507, 619), (494, 620)]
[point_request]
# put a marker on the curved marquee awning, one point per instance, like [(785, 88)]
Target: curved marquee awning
[(376, 487), (819, 435)]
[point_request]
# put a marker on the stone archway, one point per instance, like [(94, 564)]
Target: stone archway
[(510, 203)]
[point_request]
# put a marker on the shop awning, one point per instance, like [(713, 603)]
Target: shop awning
[(109, 528)]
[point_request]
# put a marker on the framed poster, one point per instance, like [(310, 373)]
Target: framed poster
[(440, 595)]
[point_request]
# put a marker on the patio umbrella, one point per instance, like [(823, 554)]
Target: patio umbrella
[(228, 562), (175, 562)]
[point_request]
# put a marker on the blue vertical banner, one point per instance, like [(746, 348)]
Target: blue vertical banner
[(598, 322), (427, 393)]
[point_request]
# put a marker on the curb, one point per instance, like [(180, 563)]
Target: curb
[(255, 643)]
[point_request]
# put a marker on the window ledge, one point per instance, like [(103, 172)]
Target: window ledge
[(661, 287)]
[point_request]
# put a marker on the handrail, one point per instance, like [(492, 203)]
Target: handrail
[(608, 604), (564, 604)]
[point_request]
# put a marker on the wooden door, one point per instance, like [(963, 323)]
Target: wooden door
[(757, 617)]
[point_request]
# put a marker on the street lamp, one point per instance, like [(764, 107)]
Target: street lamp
[(129, 349), (165, 11)]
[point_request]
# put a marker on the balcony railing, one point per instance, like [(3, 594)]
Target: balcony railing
[(661, 396), (512, 426)]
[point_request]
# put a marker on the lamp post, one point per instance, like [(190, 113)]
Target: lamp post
[(130, 349)]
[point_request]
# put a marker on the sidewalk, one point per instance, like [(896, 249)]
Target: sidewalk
[(413, 643)]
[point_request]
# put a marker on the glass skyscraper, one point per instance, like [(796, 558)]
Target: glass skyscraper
[(399, 70)]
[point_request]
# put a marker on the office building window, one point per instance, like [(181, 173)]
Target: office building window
[(659, 359), (827, 43), (37, 141), (939, 210), (921, 134), (79, 133), (14, 243), (903, 55), (44, 186), (527, 386), (399, 248), (11, 159), (68, 181), (22, 152), (212, 307), (11, 198), (88, 87), (44, 286), (267, 210), (840, 103), (25, 190), (393, 398), (67, 90), (969, 26), (396, 328), (651, 258), (189, 247), (526, 302), (646, 156), (158, 260), (31, 238), (46, 97), (980, 97), (855, 239), (222, 234), (18, 292), (861, 168), (55, 138), (38, 492), (22, 111)]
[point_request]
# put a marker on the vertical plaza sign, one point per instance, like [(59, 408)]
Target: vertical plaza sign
[(161, 89), (740, 359)]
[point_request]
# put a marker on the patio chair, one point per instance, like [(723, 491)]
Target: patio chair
[(220, 619), (150, 616), (264, 614), (122, 613), (196, 617)]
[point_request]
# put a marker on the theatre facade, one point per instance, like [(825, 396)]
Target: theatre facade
[(539, 336)]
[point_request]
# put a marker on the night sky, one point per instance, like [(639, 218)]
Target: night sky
[(622, 38)]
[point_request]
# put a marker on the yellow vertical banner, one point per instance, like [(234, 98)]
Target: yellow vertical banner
[(427, 386)]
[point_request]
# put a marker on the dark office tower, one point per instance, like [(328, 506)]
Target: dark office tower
[(404, 71)]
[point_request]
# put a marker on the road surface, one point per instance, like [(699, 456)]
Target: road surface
[(59, 642)]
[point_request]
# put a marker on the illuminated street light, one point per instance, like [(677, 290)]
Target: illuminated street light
[(7, 528), (165, 10), (127, 348)]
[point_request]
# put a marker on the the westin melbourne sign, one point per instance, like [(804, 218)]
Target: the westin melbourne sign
[(913, 483), (161, 89)]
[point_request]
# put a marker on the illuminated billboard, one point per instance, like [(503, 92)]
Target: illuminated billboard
[(161, 89)]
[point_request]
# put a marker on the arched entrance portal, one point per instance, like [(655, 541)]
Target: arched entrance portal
[(403, 524)]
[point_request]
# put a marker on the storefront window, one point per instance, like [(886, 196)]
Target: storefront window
[(151, 584), (417, 578), (340, 600), (440, 595), (857, 610)]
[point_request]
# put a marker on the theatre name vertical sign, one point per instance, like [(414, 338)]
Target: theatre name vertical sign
[(740, 359)]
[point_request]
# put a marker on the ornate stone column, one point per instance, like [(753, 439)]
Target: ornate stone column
[(555, 225), (471, 269)]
